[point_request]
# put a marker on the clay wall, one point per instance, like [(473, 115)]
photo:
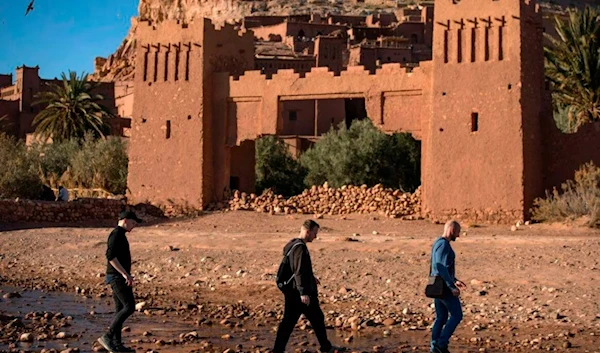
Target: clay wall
[(413, 31), (297, 118), (312, 30), (256, 99), (328, 53), (264, 32), (269, 66), (346, 20), (166, 149), (253, 105), (9, 93), (251, 22), (27, 84), (475, 153), (6, 80), (9, 110), (124, 91), (243, 165), (565, 153)]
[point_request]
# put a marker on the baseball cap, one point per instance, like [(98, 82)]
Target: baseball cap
[(129, 215)]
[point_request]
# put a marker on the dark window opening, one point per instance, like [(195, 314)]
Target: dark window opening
[(187, 64), (474, 122), (177, 64), (293, 115), (355, 110), (234, 183), (168, 132)]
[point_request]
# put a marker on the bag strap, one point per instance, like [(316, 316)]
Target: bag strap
[(293, 246), (287, 256)]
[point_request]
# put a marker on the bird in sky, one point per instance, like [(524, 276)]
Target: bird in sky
[(29, 8)]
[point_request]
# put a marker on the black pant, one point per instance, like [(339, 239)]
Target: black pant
[(293, 309), (124, 307)]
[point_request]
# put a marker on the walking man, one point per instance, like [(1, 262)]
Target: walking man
[(118, 275), (448, 310), (301, 297)]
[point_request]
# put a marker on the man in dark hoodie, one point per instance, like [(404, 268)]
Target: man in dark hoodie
[(118, 275), (303, 297)]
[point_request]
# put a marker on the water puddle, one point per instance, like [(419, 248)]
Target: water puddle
[(91, 317)]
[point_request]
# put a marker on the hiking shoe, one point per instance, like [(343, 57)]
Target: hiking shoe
[(106, 342), (122, 349)]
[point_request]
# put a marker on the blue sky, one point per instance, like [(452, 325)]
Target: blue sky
[(61, 35)]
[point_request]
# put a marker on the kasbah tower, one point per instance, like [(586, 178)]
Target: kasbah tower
[(481, 108)]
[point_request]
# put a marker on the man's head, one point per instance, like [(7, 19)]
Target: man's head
[(309, 230), (451, 230), (128, 220)]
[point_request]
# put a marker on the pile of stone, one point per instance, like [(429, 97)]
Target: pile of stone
[(333, 201)]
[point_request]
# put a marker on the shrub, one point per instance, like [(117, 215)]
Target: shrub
[(364, 155), (54, 159), (100, 163), (276, 169), (579, 198), (18, 174)]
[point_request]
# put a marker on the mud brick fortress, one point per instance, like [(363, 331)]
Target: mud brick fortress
[(466, 78), (481, 108)]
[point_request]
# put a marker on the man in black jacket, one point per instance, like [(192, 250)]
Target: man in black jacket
[(303, 297), (118, 275)]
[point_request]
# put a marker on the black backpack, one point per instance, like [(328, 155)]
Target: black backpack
[(285, 276)]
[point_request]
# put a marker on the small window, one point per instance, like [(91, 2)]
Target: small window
[(234, 183), (168, 132), (474, 122), (293, 115)]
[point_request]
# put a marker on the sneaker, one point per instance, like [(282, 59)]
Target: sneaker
[(122, 349), (105, 341)]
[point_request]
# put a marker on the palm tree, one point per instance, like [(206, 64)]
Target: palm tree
[(71, 111), (573, 65)]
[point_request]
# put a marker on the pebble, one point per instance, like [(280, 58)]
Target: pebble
[(26, 337)]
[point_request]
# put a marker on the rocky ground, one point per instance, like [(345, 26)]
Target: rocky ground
[(207, 285)]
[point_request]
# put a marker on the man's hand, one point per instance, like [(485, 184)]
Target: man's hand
[(318, 282), (305, 299), (128, 280), (456, 292), (460, 284)]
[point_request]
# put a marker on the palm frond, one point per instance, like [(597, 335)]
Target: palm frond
[(71, 110)]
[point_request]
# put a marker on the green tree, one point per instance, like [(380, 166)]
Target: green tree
[(573, 66), (277, 169), (18, 173), (364, 155), (71, 110)]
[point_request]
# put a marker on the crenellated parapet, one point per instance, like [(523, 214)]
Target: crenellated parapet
[(324, 72)]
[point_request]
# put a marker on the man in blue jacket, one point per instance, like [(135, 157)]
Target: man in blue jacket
[(442, 264)]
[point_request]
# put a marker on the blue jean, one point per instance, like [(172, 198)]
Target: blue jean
[(444, 327)]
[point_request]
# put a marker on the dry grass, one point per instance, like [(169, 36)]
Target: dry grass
[(579, 199)]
